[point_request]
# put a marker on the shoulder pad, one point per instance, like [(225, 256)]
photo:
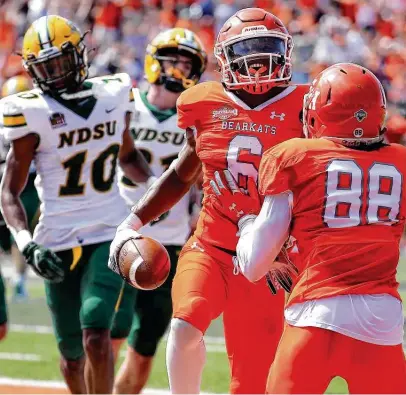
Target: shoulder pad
[(17, 109), (13, 112), (116, 84), (302, 88), (292, 150), (200, 92)]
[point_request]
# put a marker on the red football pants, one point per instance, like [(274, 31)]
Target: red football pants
[(205, 286), (308, 358)]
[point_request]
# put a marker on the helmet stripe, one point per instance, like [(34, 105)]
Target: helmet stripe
[(189, 36), (41, 26)]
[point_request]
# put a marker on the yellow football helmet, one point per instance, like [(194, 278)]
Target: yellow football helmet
[(54, 54), (17, 84), (164, 46)]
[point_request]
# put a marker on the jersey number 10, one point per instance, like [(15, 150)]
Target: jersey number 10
[(101, 181)]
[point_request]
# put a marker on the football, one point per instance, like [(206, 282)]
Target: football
[(144, 263)]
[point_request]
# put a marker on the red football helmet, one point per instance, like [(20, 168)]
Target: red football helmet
[(253, 50), (347, 103)]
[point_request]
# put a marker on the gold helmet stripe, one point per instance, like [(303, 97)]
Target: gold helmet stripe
[(41, 26)]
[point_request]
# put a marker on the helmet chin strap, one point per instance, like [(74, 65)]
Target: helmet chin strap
[(257, 73), (175, 80), (260, 87)]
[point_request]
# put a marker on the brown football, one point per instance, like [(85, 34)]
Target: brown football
[(144, 263)]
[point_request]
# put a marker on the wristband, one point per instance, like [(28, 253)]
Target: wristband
[(132, 222), (22, 238), (245, 220)]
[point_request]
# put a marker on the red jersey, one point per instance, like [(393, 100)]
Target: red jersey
[(230, 135), (348, 214)]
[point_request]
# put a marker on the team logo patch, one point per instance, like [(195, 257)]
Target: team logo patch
[(252, 29), (360, 115), (358, 132), (280, 116), (57, 120), (225, 113)]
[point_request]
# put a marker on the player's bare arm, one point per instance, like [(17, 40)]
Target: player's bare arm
[(43, 261), (160, 197), (15, 177), (172, 185), (131, 160)]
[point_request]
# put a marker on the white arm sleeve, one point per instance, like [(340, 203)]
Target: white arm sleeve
[(262, 237)]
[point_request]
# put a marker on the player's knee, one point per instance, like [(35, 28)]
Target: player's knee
[(3, 331), (97, 343), (96, 313), (121, 325), (145, 345), (72, 366), (155, 320), (184, 335), (70, 346), (197, 309)]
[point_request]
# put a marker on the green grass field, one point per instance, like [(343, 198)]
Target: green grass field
[(26, 354)]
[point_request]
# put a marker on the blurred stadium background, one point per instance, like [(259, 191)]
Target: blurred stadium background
[(368, 32)]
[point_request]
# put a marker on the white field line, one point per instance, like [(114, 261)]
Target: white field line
[(16, 356), (31, 383), (213, 343), (37, 329), (43, 329), (61, 385)]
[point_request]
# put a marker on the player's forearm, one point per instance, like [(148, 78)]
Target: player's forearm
[(262, 237), (162, 196), (168, 189), (15, 217), (13, 212), (135, 167), (13, 182)]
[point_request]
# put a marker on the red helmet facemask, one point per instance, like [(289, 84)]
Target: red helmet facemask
[(253, 50)]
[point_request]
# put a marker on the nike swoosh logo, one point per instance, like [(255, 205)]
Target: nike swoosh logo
[(110, 110)]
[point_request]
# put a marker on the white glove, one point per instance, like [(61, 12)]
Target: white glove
[(126, 230)]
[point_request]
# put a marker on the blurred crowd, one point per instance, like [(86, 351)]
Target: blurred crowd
[(367, 32)]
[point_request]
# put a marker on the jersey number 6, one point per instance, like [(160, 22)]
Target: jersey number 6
[(243, 157)]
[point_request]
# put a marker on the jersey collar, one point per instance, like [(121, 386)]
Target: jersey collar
[(160, 115), (261, 106), (82, 107)]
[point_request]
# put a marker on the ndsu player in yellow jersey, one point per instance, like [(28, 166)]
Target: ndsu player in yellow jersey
[(76, 130)]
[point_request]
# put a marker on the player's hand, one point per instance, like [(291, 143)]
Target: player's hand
[(122, 235), (44, 262), (282, 273), (232, 202)]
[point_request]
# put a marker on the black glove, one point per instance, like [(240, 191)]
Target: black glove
[(44, 262)]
